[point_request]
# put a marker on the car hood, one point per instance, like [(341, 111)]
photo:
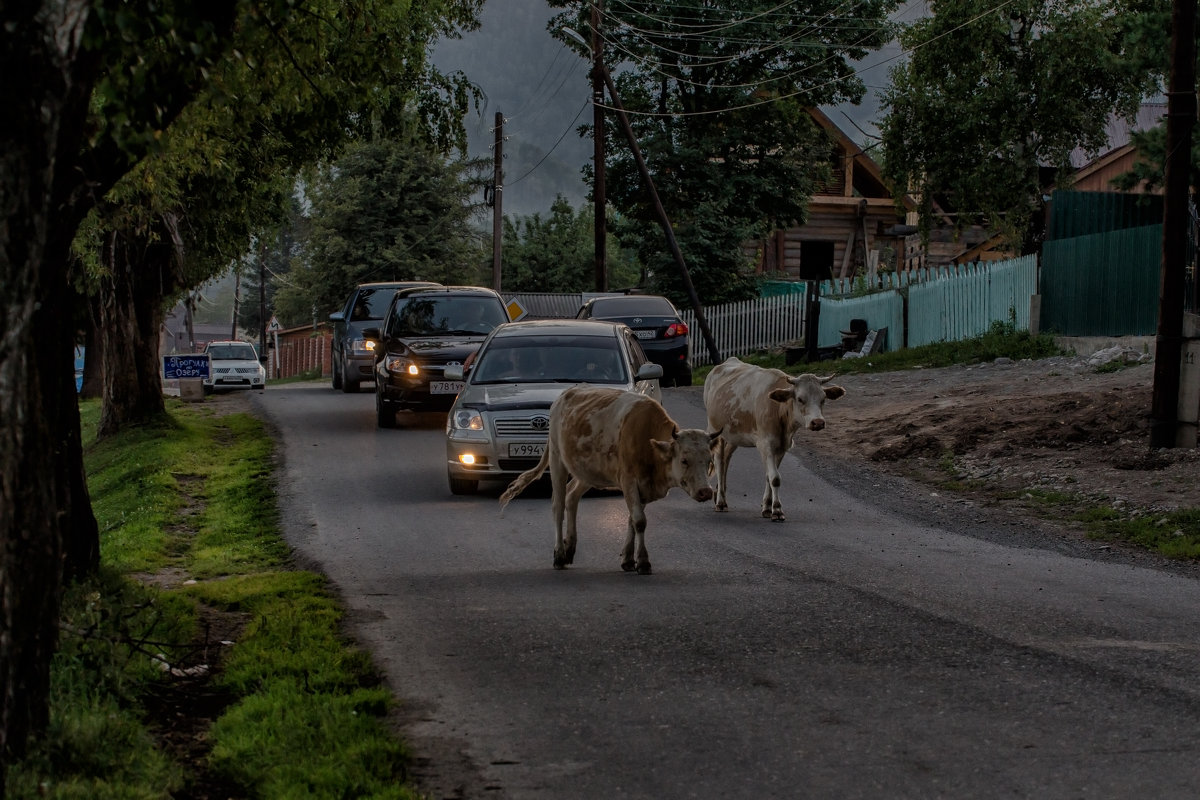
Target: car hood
[(496, 397), (444, 348)]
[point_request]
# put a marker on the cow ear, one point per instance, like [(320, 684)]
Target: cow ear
[(663, 449), (834, 392), (781, 395)]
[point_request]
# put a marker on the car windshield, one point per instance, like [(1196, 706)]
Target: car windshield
[(558, 359), (632, 307), (232, 352), (430, 316), (371, 303)]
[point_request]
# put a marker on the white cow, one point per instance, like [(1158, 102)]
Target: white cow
[(604, 437), (757, 407)]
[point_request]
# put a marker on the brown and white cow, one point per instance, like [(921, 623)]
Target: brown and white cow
[(604, 437), (757, 407)]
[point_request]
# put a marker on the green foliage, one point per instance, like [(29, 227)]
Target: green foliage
[(388, 209), (990, 95), (557, 254), (718, 104)]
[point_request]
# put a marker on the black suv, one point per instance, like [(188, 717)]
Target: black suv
[(351, 358), (424, 330)]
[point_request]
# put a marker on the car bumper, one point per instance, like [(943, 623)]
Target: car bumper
[(492, 459), (359, 368), (233, 383), (414, 393)]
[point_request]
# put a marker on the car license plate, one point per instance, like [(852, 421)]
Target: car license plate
[(644, 334), (525, 449), (445, 387)]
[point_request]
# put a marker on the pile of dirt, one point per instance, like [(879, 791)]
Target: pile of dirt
[(1001, 431)]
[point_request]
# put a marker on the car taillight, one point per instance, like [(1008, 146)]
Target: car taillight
[(676, 329)]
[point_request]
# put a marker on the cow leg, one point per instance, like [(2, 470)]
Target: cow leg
[(635, 531), (575, 490), (771, 507), (724, 453), (559, 478)]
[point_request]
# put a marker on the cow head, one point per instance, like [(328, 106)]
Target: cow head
[(688, 460), (807, 395)]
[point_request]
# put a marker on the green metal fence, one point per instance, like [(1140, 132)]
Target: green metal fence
[(1105, 284)]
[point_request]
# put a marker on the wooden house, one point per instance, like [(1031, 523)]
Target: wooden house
[(1095, 173), (852, 220)]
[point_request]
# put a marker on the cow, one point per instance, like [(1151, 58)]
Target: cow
[(754, 406), (603, 437)]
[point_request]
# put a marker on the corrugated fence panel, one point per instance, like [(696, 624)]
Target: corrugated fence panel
[(882, 310), (1075, 214), (1105, 284)]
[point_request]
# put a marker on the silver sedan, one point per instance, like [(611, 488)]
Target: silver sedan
[(498, 425)]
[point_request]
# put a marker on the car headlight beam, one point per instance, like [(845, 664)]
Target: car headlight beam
[(466, 419)]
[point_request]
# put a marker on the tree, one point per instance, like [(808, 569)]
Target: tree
[(992, 97), (557, 254), (388, 209), (224, 174), (100, 82), (717, 92)]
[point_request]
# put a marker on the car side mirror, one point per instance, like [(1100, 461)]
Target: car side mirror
[(649, 372), (454, 372), (337, 316)]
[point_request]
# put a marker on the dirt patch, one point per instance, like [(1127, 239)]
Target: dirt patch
[(1014, 433)]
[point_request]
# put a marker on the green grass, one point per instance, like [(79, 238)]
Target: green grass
[(1175, 534), (1001, 341), (193, 493)]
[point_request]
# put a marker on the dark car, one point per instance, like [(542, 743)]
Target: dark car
[(424, 331), (500, 421), (352, 360), (655, 321)]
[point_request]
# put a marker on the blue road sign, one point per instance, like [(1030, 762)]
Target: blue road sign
[(185, 366)]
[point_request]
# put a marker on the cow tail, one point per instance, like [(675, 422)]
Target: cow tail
[(525, 478)]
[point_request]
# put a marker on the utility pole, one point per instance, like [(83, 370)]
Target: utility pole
[(713, 351), (1181, 118), (598, 193), (497, 195), (262, 300)]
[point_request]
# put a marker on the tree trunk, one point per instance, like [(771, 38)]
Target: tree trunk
[(131, 317)]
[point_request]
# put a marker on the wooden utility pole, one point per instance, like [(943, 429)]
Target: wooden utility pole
[(713, 351), (1181, 119), (262, 300), (497, 194), (598, 193)]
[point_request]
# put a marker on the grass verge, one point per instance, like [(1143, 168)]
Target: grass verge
[(1002, 340), (199, 662)]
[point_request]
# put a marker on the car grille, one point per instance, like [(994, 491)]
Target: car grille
[(236, 370), (523, 427)]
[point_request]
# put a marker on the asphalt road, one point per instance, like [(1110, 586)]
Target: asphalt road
[(854, 651)]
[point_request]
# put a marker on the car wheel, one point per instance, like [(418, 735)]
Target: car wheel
[(348, 386), (684, 378), (463, 486), (336, 370), (385, 412)]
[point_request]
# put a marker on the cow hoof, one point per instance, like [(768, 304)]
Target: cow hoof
[(628, 566), (560, 563), (643, 568), (766, 514), (722, 507), (778, 517), (569, 558)]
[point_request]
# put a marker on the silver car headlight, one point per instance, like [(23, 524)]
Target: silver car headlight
[(362, 347), (466, 419)]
